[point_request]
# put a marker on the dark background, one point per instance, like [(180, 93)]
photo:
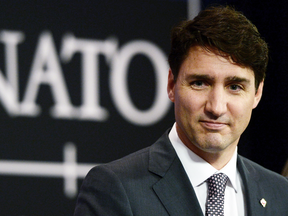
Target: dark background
[(42, 138)]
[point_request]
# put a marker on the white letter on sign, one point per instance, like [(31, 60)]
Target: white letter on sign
[(46, 69), (90, 49), (119, 83), (9, 93)]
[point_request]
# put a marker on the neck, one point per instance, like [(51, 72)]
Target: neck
[(217, 159)]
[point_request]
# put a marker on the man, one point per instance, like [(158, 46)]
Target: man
[(217, 70)]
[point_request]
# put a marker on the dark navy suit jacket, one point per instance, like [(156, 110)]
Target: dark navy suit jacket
[(152, 182)]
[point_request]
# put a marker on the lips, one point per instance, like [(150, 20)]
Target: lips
[(213, 125)]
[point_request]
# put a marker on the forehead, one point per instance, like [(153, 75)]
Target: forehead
[(202, 61)]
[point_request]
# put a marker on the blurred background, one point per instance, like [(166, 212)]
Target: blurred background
[(84, 83)]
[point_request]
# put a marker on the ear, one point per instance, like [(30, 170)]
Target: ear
[(258, 94), (171, 86)]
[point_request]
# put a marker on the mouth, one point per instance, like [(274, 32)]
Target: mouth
[(213, 125)]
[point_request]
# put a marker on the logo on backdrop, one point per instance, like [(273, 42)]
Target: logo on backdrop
[(46, 69)]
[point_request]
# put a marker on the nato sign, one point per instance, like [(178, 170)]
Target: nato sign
[(84, 82), (81, 83)]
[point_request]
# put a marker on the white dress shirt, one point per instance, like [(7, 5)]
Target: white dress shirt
[(198, 171)]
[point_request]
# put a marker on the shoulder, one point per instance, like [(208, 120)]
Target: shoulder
[(262, 174), (161, 152), (123, 166), (143, 165), (108, 188), (119, 179), (129, 163), (113, 188)]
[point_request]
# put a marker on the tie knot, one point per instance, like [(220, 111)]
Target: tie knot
[(217, 184)]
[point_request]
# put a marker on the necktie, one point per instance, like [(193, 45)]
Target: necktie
[(216, 191)]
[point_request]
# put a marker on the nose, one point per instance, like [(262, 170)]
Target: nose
[(216, 104)]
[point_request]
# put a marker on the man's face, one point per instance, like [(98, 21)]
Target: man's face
[(213, 100)]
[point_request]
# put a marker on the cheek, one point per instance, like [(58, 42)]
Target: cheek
[(241, 113), (243, 106), (191, 100), (189, 105)]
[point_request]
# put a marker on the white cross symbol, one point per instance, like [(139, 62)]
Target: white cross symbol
[(70, 170)]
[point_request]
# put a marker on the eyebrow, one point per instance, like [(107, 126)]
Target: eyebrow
[(211, 78), (237, 79), (200, 77)]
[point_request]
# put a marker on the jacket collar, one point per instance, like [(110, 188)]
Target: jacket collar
[(176, 192), (253, 192), (174, 188)]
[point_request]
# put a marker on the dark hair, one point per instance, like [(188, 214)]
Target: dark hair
[(224, 31)]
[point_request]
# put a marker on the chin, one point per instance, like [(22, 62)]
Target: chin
[(213, 144)]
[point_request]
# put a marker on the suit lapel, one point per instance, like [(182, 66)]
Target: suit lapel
[(253, 192), (174, 188), (175, 191)]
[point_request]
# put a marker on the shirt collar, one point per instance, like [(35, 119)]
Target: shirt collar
[(197, 169)]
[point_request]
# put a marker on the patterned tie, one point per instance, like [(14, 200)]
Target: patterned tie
[(216, 191)]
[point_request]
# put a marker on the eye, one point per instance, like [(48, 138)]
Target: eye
[(235, 87), (198, 84)]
